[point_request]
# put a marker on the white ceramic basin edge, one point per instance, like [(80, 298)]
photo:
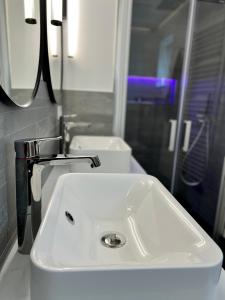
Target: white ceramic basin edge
[(214, 259), (165, 254)]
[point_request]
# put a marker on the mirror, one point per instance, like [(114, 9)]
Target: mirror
[(55, 50), (79, 59), (19, 50)]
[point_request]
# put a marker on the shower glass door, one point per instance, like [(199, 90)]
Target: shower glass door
[(201, 155), (158, 35)]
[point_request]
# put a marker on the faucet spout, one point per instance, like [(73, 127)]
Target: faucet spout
[(61, 160), (95, 162)]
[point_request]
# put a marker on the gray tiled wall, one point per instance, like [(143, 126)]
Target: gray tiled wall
[(15, 123), (94, 107)]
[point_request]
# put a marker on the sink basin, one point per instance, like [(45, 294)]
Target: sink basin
[(114, 153), (121, 236)]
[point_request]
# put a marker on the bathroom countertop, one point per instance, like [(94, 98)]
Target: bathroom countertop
[(15, 274), (15, 277)]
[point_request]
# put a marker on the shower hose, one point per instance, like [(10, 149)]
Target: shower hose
[(197, 181)]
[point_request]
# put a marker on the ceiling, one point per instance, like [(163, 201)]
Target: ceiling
[(150, 13)]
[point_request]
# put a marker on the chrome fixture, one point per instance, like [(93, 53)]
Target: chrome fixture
[(194, 177), (29, 165), (68, 116), (66, 124), (113, 240)]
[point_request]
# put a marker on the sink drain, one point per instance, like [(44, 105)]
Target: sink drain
[(113, 240)]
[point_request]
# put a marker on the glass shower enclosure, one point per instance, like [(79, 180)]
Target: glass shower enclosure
[(175, 120)]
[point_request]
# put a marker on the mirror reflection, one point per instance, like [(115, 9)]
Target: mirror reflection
[(80, 62), (19, 49)]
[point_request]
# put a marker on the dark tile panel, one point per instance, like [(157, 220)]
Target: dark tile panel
[(15, 123), (93, 107)]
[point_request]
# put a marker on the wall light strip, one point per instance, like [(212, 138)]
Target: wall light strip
[(29, 12), (56, 12), (73, 15), (53, 32), (54, 41)]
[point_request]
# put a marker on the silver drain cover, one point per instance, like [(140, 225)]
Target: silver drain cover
[(113, 240)]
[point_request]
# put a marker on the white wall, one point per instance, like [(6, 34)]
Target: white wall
[(23, 41), (93, 67)]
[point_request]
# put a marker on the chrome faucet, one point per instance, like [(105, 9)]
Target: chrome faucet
[(66, 124), (28, 198)]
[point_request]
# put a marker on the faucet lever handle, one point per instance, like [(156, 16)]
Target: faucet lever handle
[(69, 116), (45, 139), (28, 148)]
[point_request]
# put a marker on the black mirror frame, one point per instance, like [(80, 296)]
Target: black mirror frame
[(6, 99), (43, 65), (44, 55)]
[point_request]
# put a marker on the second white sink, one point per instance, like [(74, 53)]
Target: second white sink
[(114, 153)]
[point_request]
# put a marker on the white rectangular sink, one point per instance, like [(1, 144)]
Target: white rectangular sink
[(114, 153), (121, 236)]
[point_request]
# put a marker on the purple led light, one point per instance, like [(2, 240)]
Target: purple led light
[(151, 80), (140, 86)]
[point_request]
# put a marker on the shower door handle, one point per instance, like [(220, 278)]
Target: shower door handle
[(172, 140), (187, 135)]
